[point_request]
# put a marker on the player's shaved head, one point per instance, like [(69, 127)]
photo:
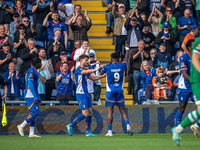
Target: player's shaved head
[(114, 57), (36, 62)]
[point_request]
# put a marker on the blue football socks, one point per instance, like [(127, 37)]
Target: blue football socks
[(88, 123), (178, 118), (109, 127), (78, 119)]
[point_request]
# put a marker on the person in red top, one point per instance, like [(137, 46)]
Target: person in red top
[(192, 35), (167, 87), (77, 45), (63, 57)]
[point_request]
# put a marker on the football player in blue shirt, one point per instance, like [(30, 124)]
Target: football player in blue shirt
[(54, 25), (184, 86), (32, 97), (82, 95), (114, 91)]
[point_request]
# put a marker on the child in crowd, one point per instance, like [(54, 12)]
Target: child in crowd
[(161, 81)]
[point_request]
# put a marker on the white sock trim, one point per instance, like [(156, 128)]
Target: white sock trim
[(190, 117), (194, 113)]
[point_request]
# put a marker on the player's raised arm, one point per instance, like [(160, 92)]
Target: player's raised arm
[(91, 70), (97, 77)]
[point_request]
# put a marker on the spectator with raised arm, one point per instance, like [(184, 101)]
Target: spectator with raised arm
[(110, 18), (79, 30), (6, 56), (29, 26), (121, 17), (47, 68), (77, 10), (41, 8), (64, 79), (54, 25), (14, 82), (6, 11), (178, 7), (154, 19), (168, 16), (166, 37), (184, 25), (20, 42)]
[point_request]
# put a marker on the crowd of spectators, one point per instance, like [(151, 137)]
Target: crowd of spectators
[(145, 36)]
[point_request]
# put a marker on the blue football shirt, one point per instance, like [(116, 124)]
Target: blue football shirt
[(184, 64), (53, 26), (115, 75), (65, 84)]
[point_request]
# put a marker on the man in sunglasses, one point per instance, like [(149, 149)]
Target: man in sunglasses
[(29, 26)]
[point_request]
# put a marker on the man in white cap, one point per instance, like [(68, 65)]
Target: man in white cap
[(119, 29)]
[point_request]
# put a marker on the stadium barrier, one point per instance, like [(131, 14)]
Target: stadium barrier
[(144, 119)]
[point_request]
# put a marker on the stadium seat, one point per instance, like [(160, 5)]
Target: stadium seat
[(39, 43)]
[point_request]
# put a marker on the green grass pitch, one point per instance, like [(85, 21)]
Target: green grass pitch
[(80, 142)]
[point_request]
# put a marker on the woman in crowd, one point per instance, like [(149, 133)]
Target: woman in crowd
[(148, 73), (168, 16)]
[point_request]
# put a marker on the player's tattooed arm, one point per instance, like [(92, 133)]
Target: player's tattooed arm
[(185, 75)]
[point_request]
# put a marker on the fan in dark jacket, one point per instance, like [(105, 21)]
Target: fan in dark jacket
[(167, 37)]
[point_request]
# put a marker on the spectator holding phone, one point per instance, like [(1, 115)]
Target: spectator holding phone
[(166, 37), (184, 25)]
